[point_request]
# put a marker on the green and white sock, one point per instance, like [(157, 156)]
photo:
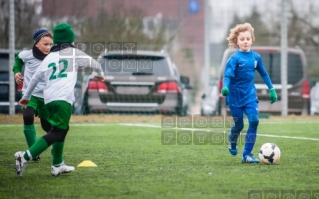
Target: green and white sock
[(36, 149), (57, 153), (30, 134)]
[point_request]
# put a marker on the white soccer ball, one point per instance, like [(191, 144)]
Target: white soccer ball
[(269, 153)]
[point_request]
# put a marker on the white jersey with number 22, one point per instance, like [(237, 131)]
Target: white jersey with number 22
[(60, 73)]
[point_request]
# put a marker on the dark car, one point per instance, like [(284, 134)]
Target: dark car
[(298, 85), (143, 82), (5, 86)]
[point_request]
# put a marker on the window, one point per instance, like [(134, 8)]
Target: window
[(272, 64), (4, 76), (4, 63), (127, 64)]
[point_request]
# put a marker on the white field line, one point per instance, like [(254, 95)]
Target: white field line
[(155, 126), (262, 135), (111, 123), (295, 122), (71, 124)]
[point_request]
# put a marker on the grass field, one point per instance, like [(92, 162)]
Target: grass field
[(132, 162)]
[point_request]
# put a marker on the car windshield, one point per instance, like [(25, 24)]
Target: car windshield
[(272, 64), (4, 76), (126, 65)]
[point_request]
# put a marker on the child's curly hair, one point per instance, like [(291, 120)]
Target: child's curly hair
[(234, 32)]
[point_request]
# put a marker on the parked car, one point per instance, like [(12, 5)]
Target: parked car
[(314, 100), (297, 83), (143, 82), (210, 100), (5, 86)]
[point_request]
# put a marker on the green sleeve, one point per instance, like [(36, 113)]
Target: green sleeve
[(18, 64)]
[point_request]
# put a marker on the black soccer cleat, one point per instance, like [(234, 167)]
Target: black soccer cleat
[(36, 159)]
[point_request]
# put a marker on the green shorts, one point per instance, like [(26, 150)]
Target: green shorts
[(59, 113), (38, 105)]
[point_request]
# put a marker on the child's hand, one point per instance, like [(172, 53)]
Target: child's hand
[(19, 78), (23, 102), (98, 78), (273, 96), (225, 91)]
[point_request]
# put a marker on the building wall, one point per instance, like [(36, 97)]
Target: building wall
[(191, 25)]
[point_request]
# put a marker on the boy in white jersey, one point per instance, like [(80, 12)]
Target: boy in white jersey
[(31, 60), (59, 69)]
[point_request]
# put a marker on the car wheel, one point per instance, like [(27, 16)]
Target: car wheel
[(202, 112), (85, 108)]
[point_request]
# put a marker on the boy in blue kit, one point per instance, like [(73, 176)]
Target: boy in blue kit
[(239, 88)]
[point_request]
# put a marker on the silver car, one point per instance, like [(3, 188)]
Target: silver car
[(210, 104), (143, 82)]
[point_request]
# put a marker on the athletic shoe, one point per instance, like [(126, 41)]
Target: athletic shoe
[(36, 159), (232, 147), (63, 168), (21, 163), (249, 159)]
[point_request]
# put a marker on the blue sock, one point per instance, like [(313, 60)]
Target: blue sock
[(235, 132), (250, 141), (233, 137), (251, 134)]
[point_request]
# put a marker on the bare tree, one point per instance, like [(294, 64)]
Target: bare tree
[(303, 31), (123, 25), (302, 28), (260, 29), (114, 24), (26, 22), (74, 13)]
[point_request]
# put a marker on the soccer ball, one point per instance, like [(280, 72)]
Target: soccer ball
[(269, 153)]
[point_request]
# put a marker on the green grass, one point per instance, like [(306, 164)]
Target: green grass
[(132, 163)]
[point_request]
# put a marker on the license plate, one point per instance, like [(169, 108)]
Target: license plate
[(129, 90)]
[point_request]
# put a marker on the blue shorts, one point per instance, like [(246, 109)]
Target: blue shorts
[(250, 108)]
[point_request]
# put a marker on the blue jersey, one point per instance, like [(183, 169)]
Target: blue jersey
[(240, 69)]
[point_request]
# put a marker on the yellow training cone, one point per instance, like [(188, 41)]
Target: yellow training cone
[(87, 163)]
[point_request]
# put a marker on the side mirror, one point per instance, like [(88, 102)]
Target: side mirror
[(312, 83), (189, 86), (184, 79)]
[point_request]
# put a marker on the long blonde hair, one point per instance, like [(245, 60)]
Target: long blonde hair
[(234, 32)]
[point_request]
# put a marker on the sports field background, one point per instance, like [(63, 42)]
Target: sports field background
[(132, 162)]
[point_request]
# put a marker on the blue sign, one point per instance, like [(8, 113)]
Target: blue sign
[(193, 6)]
